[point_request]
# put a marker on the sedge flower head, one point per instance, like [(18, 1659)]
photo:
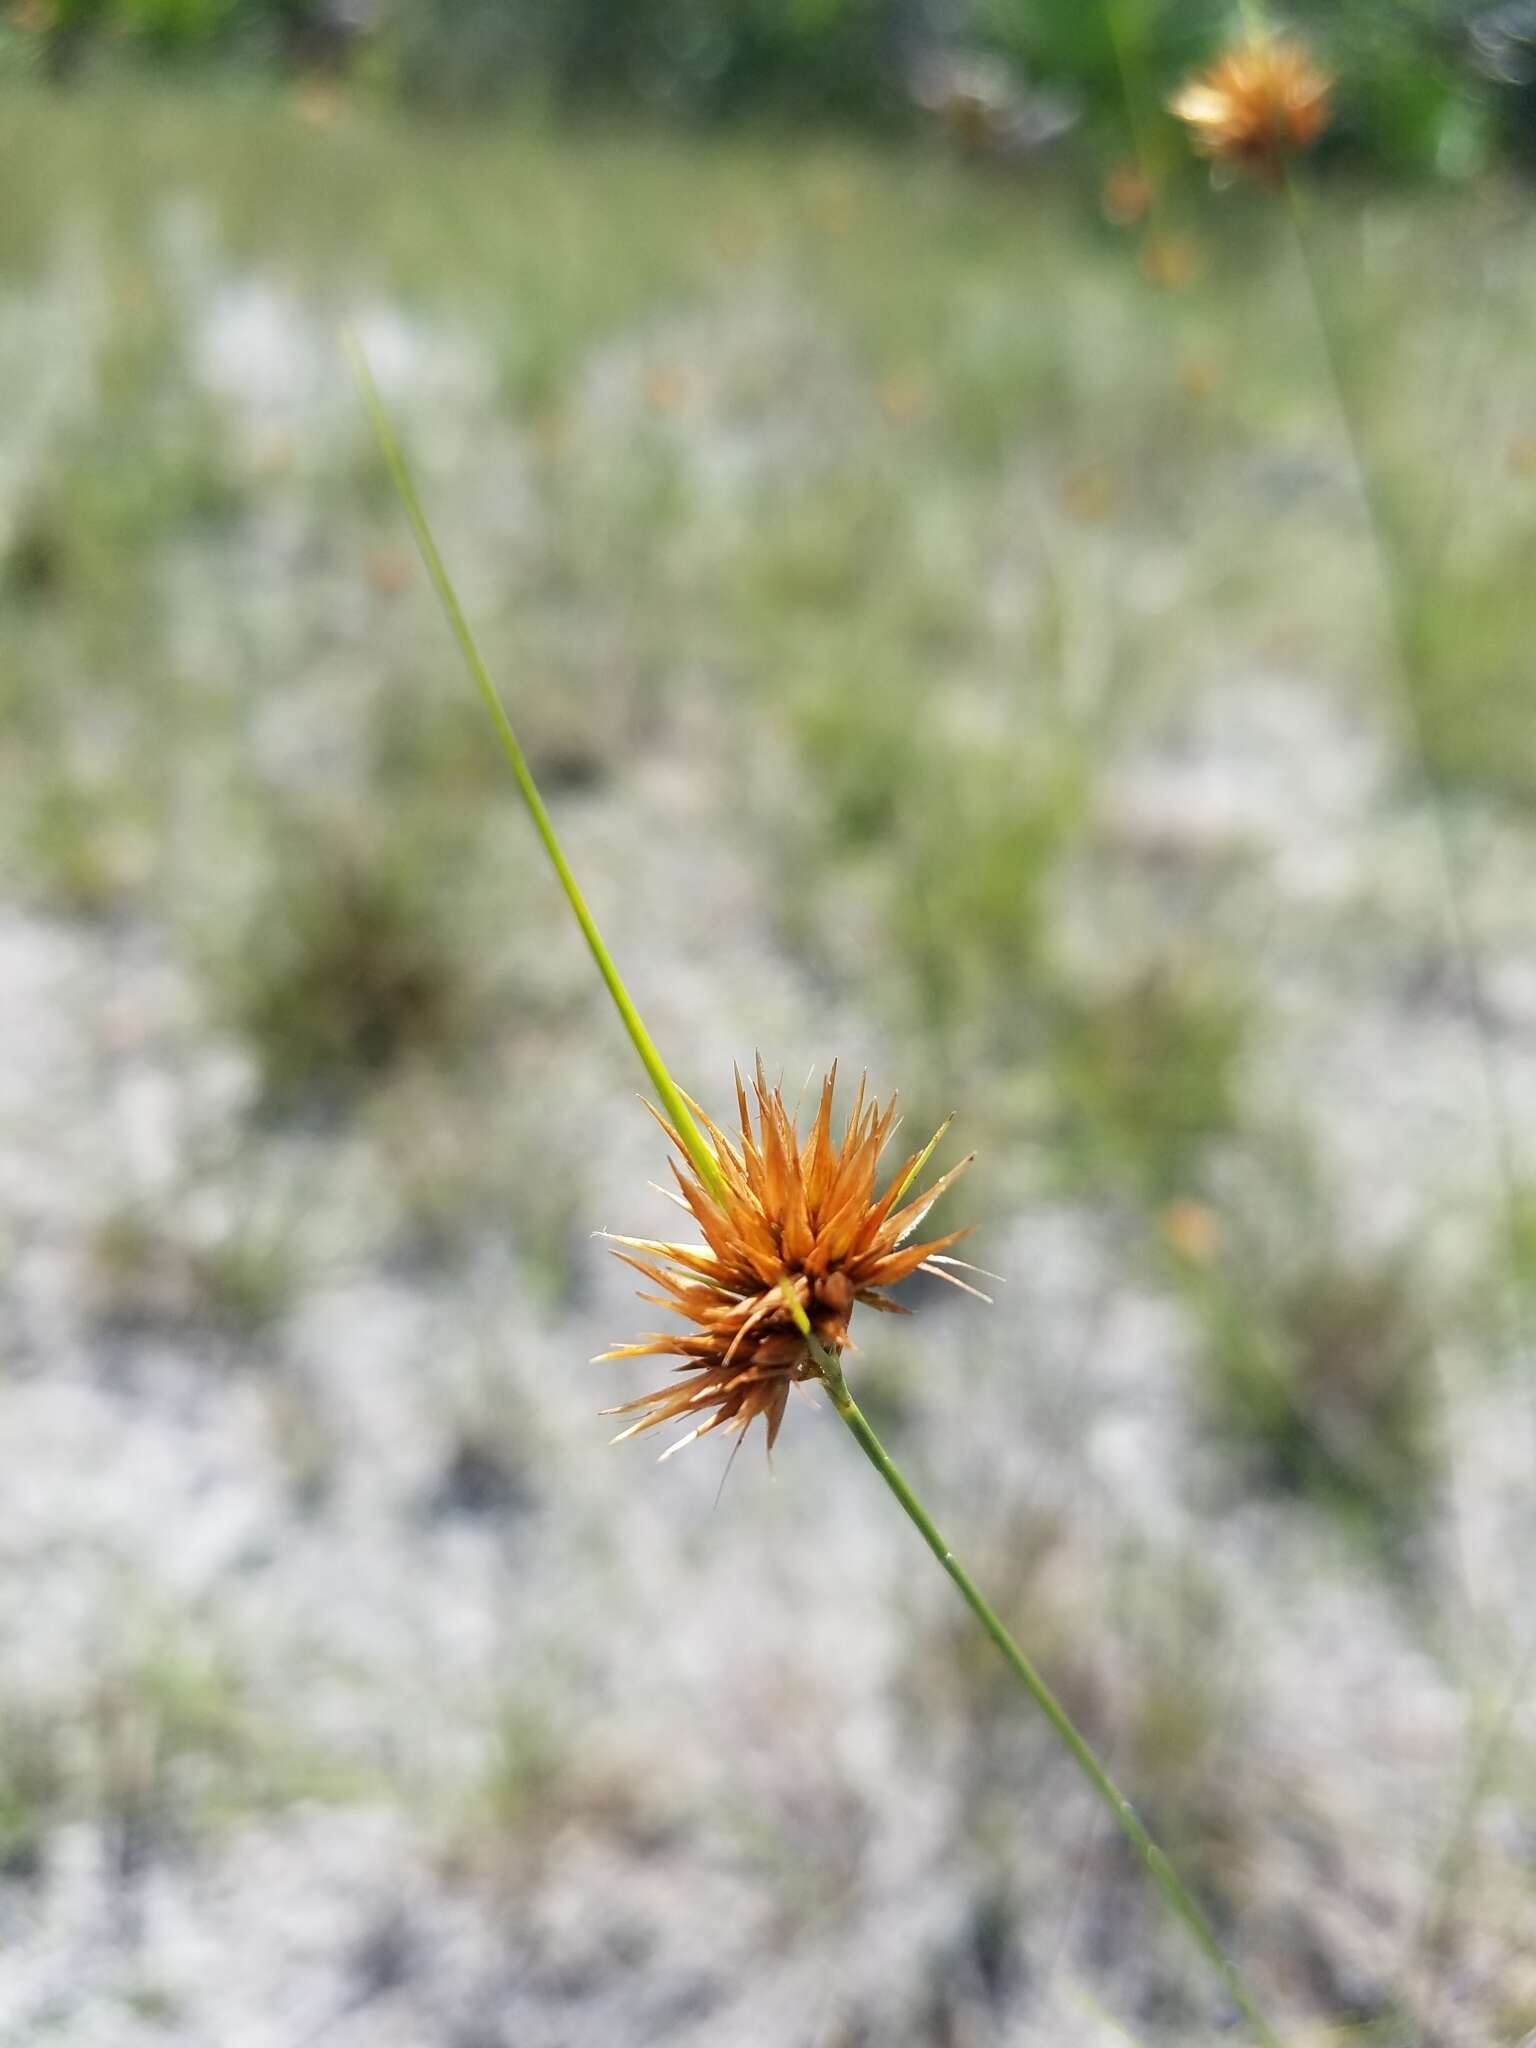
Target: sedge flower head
[(1264, 101), (798, 1221)]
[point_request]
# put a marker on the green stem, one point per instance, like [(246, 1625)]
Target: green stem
[(1130, 64), (672, 1102), (1124, 1815)]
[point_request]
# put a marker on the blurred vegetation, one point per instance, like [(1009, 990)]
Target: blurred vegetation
[(148, 1276), (1316, 1357), (347, 965), (1426, 87)]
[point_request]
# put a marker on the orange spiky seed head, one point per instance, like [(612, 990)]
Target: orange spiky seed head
[(800, 1218), (1264, 101)]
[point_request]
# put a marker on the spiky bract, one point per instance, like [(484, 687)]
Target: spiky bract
[(800, 1219)]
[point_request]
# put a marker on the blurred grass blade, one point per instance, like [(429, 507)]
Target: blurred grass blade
[(672, 1102)]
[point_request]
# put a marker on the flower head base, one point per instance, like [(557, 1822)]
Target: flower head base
[(1262, 102), (800, 1223)]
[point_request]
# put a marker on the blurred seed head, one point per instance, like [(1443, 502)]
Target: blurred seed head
[(1264, 101), (984, 110)]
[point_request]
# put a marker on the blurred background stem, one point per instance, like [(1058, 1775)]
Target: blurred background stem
[(1404, 574)]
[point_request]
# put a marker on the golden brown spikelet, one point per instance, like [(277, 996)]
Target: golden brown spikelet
[(1264, 101), (798, 1214)]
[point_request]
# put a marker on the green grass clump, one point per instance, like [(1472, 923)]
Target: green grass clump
[(346, 966), (147, 1275), (1147, 1074), (87, 848), (148, 462), (969, 917), (176, 1742), (34, 1786), (953, 842), (1317, 1360), (1473, 685), (537, 1783)]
